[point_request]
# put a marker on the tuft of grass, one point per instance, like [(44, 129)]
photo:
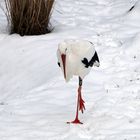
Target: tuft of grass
[(29, 17)]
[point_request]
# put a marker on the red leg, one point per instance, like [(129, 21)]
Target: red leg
[(80, 106), (81, 101)]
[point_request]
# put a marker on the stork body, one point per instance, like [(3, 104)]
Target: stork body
[(76, 57)]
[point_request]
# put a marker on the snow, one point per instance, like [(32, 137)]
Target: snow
[(35, 101)]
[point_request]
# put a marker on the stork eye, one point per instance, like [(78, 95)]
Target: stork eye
[(58, 64)]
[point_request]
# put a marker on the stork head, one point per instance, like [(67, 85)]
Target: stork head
[(63, 51)]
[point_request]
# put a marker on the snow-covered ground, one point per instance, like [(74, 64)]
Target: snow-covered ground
[(35, 101)]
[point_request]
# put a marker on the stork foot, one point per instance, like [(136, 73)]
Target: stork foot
[(76, 121)]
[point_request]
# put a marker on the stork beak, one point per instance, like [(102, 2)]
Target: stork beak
[(63, 57)]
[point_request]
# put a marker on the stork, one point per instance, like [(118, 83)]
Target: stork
[(76, 57)]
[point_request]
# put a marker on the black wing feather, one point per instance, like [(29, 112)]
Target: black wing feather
[(92, 61), (85, 62)]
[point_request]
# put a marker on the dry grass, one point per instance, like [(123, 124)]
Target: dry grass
[(29, 17)]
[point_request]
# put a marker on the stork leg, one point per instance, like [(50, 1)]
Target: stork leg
[(80, 104), (81, 101)]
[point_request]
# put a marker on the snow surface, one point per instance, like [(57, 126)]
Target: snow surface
[(35, 101)]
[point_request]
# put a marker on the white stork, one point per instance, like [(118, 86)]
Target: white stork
[(76, 57)]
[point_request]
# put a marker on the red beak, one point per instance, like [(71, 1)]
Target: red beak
[(63, 57)]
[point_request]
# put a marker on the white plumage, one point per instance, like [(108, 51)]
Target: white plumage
[(76, 57), (76, 51)]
